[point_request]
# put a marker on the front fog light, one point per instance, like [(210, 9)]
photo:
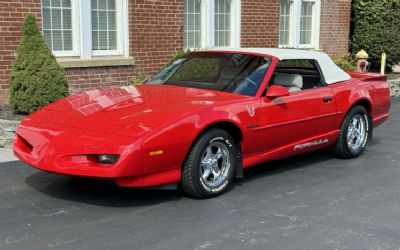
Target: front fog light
[(108, 159)]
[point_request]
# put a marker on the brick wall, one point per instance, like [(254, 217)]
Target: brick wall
[(260, 23), (156, 32), (335, 27)]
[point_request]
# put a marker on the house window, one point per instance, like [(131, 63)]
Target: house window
[(222, 27), (84, 29), (104, 25), (211, 23), (284, 23), (299, 23), (306, 23), (192, 26), (57, 24)]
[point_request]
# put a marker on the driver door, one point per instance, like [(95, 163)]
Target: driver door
[(307, 114)]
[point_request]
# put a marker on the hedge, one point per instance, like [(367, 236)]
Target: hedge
[(375, 28)]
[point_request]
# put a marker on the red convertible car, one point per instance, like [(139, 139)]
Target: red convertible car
[(204, 118)]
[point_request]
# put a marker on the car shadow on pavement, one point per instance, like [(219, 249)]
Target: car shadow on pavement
[(286, 165), (97, 192)]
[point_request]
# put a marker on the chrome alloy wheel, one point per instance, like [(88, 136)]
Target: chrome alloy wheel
[(215, 164), (357, 132)]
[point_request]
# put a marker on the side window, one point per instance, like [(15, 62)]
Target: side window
[(298, 75)]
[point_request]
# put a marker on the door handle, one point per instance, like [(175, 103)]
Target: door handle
[(327, 99)]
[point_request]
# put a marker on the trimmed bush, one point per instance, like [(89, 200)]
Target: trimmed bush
[(36, 77), (375, 28)]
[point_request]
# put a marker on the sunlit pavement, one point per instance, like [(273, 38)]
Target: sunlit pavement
[(307, 202)]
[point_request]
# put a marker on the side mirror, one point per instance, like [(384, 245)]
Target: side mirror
[(276, 91)]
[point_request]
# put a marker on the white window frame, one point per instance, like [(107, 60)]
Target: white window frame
[(201, 25), (295, 21), (208, 22), (292, 24), (75, 33), (82, 31)]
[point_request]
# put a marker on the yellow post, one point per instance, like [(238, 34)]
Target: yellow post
[(383, 63)]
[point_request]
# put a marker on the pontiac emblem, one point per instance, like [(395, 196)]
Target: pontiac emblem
[(251, 110)]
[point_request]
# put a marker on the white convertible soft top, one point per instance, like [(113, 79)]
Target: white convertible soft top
[(332, 73)]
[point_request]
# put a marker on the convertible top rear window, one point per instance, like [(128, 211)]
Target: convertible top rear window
[(228, 72)]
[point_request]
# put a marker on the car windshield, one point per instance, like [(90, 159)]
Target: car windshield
[(234, 73)]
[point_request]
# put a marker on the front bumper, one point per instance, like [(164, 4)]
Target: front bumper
[(64, 150)]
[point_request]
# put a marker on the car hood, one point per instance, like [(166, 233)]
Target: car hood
[(129, 110)]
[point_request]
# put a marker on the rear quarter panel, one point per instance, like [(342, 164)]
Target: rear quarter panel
[(369, 88)]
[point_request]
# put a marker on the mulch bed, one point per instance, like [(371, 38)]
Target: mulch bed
[(7, 114)]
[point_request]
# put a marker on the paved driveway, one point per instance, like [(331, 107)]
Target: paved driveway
[(307, 202)]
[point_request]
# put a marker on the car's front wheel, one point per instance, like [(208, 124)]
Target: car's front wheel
[(209, 168), (354, 133)]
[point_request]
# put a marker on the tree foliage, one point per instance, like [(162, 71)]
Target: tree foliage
[(376, 29), (36, 77)]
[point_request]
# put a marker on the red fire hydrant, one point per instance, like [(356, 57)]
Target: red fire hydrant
[(362, 64)]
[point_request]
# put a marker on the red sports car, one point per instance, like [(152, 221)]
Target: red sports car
[(203, 119)]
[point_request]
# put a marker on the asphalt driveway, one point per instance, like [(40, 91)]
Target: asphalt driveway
[(307, 202)]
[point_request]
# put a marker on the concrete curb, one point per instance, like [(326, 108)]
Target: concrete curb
[(7, 155), (7, 132), (394, 87)]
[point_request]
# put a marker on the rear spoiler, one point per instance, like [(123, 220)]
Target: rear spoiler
[(367, 76)]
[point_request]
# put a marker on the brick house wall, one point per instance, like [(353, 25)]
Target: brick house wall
[(335, 26), (260, 23), (156, 33)]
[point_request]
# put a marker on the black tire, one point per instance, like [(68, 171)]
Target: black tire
[(192, 171), (343, 148)]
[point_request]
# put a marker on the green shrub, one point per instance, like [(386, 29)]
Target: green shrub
[(36, 77), (345, 62), (376, 29)]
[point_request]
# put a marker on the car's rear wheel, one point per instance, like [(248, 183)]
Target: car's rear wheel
[(353, 133), (209, 168)]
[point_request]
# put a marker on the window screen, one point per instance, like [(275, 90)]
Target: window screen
[(57, 24), (104, 25)]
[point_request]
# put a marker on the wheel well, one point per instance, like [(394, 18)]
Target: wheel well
[(364, 103), (229, 127), (237, 136), (367, 105)]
